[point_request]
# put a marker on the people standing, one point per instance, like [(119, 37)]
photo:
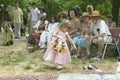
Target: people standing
[(42, 11), (58, 51), (28, 18), (17, 18), (35, 12)]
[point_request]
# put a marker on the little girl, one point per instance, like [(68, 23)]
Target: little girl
[(7, 33), (58, 50)]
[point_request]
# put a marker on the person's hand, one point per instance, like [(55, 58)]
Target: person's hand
[(46, 30), (91, 38), (81, 36), (61, 38), (75, 47)]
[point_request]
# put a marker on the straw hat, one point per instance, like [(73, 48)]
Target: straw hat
[(96, 14), (85, 14)]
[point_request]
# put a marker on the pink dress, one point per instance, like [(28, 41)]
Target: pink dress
[(58, 50)]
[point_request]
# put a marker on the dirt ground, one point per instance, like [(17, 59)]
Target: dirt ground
[(16, 63)]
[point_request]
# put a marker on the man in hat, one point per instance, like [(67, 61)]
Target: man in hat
[(100, 32), (35, 12)]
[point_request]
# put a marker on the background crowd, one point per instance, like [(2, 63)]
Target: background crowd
[(84, 29)]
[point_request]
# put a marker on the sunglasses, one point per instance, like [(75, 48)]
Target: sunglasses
[(109, 17), (52, 18)]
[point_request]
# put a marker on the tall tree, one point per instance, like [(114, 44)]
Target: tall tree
[(115, 10)]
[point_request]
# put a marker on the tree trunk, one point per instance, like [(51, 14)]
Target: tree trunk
[(115, 10)]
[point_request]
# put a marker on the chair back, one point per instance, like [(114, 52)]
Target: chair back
[(115, 32)]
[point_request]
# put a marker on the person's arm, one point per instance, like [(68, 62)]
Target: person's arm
[(71, 41), (55, 34), (2, 30), (21, 15), (102, 30), (77, 27), (46, 28), (99, 35), (37, 24)]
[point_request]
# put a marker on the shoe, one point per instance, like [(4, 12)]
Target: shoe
[(86, 57), (97, 58), (85, 68), (42, 51), (18, 37), (15, 37), (93, 67), (75, 56), (59, 67)]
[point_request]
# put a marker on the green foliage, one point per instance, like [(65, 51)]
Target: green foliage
[(55, 6)]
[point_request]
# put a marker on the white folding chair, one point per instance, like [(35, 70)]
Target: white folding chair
[(115, 33)]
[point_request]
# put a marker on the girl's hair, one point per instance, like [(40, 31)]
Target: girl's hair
[(64, 25), (42, 8), (43, 18), (52, 16), (5, 22), (63, 14), (70, 11), (89, 7)]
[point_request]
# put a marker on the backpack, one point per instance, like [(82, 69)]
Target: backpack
[(31, 39)]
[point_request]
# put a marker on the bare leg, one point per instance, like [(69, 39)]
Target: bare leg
[(88, 44), (79, 51), (100, 46)]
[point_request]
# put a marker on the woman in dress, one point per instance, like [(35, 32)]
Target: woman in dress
[(58, 50)]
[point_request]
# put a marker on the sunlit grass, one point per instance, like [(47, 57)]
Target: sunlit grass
[(19, 62)]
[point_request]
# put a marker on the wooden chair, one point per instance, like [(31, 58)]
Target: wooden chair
[(115, 33)]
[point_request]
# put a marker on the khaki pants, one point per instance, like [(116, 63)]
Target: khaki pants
[(17, 29)]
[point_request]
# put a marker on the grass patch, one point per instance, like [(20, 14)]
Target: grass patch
[(27, 67), (11, 59)]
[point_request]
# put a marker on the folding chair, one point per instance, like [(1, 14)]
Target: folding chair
[(115, 33)]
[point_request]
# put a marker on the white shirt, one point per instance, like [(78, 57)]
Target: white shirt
[(38, 23), (52, 27), (100, 27), (35, 14)]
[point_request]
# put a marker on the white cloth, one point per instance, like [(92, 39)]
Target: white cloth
[(42, 14), (47, 36), (100, 27), (35, 14), (17, 29), (38, 23), (52, 27), (118, 68)]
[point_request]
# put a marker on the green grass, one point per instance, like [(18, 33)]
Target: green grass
[(11, 58), (27, 67), (19, 62)]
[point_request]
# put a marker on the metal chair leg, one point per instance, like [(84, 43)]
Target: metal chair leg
[(104, 50), (117, 46)]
